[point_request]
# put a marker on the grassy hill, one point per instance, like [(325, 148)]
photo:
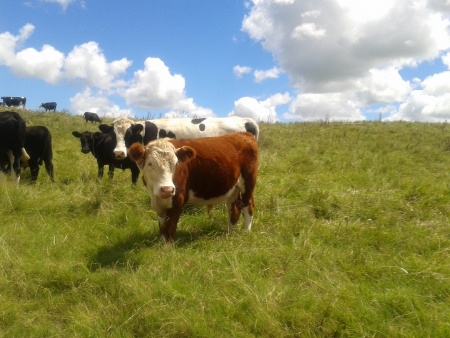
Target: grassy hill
[(350, 238)]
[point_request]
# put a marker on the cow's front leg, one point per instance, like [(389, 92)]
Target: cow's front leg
[(100, 171), (163, 223), (135, 175), (111, 171), (169, 226)]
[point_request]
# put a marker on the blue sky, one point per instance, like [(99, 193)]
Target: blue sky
[(272, 60)]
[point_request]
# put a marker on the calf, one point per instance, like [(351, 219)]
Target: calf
[(38, 144), (12, 139), (202, 171), (102, 145), (48, 106), (93, 117)]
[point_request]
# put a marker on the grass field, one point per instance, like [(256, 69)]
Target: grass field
[(350, 238)]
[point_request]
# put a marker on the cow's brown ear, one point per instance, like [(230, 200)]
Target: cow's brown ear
[(136, 153), (185, 154)]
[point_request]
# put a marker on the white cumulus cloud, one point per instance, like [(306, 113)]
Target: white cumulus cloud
[(86, 67), (264, 110), (327, 107), (350, 54), (239, 71), (262, 75), (154, 87), (63, 3), (97, 103), (308, 30), (88, 64), (9, 43), (45, 64)]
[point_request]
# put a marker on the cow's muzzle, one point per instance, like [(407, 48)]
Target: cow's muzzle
[(166, 192), (120, 154)]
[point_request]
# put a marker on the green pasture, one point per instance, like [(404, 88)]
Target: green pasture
[(351, 238)]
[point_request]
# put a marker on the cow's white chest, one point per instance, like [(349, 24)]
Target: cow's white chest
[(160, 205)]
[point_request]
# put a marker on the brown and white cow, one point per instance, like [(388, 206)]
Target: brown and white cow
[(203, 171)]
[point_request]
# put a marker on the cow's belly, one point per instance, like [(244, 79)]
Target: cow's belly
[(229, 196)]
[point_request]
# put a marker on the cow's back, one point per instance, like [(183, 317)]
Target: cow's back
[(187, 128)]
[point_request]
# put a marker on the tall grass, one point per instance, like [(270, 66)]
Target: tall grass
[(350, 238)]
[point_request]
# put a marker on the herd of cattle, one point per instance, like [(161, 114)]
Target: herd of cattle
[(202, 161)]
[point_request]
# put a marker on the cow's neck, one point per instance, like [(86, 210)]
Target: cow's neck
[(150, 132)]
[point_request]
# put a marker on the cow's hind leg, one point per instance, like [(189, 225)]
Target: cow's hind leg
[(248, 202), (49, 169), (14, 159), (234, 210), (248, 214)]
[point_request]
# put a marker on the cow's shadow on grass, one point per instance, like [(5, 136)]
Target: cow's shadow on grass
[(122, 253)]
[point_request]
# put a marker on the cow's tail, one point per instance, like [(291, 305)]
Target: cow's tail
[(47, 154), (252, 127)]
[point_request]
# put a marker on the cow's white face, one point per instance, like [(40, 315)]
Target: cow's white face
[(158, 168), (121, 126), (158, 161)]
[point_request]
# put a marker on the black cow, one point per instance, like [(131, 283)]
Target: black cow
[(38, 144), (93, 117), (48, 106), (14, 101), (102, 145), (12, 139)]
